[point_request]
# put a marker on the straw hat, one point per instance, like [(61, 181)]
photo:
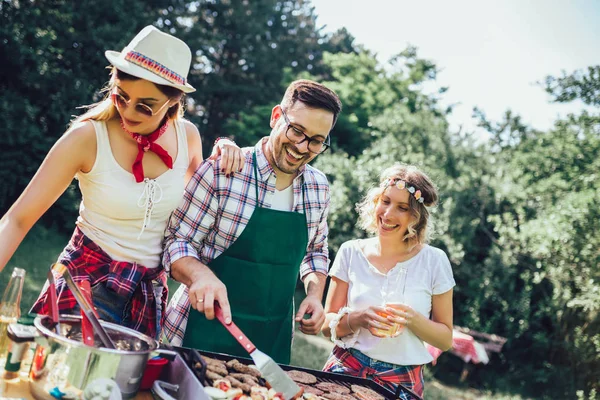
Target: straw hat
[(157, 57)]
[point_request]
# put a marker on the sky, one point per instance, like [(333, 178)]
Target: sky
[(490, 53)]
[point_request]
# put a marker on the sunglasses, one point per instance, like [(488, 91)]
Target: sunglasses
[(122, 103)]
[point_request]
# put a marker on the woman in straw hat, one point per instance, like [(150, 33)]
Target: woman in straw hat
[(132, 154), (392, 292)]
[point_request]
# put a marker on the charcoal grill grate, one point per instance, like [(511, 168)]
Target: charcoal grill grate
[(191, 357)]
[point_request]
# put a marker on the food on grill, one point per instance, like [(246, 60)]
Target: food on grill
[(365, 393), (234, 393), (215, 393), (277, 396), (245, 378), (218, 369), (259, 393), (311, 389), (259, 389), (332, 388), (302, 377), (243, 368), (311, 396), (213, 361), (237, 384), (222, 384), (336, 396), (233, 380), (213, 376)]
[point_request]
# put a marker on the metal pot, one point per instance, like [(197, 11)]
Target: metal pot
[(64, 367)]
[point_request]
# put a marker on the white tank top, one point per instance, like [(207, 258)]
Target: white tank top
[(125, 218)]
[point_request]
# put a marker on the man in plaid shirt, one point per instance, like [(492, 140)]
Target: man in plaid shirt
[(241, 241)]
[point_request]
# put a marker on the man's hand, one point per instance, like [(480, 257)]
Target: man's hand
[(204, 290), (311, 305)]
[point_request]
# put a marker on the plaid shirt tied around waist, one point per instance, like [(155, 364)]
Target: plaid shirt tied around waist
[(353, 362), (87, 261)]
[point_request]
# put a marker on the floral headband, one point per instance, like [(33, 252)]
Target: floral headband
[(400, 184)]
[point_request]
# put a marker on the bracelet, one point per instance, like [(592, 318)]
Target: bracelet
[(348, 322), (335, 322), (222, 138)]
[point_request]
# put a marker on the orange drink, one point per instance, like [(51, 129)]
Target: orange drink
[(395, 328)]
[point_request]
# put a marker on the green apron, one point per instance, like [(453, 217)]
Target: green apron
[(259, 270)]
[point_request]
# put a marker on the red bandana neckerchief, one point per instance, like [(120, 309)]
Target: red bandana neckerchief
[(145, 143)]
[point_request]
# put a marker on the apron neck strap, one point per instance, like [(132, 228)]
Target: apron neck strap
[(256, 184), (255, 176)]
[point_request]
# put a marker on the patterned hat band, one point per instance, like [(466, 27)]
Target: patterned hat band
[(400, 184), (153, 66)]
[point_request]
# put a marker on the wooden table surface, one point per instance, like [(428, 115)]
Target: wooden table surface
[(20, 390)]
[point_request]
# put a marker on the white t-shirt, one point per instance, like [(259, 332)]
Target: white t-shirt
[(426, 274), (283, 200)]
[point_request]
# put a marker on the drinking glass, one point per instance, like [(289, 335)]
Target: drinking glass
[(393, 297)]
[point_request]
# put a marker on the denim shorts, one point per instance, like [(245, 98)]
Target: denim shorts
[(114, 308)]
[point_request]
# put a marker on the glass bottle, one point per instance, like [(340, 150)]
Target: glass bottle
[(10, 310)]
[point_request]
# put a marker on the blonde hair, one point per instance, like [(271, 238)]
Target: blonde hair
[(105, 110), (419, 229)]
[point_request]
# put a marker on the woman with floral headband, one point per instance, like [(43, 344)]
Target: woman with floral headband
[(392, 292), (132, 154)]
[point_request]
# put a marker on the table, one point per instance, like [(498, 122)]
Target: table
[(463, 346), (20, 390), (466, 348)]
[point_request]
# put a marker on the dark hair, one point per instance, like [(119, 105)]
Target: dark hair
[(314, 95)]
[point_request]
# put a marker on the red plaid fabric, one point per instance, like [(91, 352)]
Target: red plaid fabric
[(87, 261), (385, 374), (463, 346)]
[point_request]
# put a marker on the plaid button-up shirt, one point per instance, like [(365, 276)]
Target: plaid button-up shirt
[(216, 209)]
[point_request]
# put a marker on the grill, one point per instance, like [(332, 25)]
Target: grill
[(193, 356)]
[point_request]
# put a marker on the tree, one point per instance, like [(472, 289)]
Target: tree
[(242, 48), (580, 85), (52, 58)]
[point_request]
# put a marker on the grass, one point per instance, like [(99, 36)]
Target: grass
[(41, 248)]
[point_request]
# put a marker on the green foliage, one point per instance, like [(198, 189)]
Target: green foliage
[(39, 250), (518, 215), (53, 62), (580, 85), (242, 48)]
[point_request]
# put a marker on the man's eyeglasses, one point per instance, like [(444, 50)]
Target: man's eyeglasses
[(315, 145), (122, 103)]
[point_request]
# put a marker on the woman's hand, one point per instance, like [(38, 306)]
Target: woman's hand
[(232, 157), (373, 319), (402, 314)]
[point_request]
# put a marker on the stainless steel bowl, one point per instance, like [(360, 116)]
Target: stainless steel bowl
[(64, 367)]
